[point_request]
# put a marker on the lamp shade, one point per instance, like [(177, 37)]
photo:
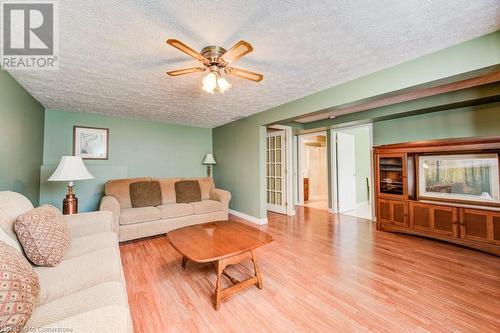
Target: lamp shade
[(209, 159), (71, 168)]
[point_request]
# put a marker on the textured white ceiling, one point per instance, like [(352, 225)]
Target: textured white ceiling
[(113, 55)]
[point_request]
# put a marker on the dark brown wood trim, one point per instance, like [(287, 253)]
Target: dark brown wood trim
[(422, 93), (460, 201), (489, 142), (408, 94)]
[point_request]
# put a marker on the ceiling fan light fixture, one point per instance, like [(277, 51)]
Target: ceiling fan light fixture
[(216, 59), (209, 83), (223, 84)]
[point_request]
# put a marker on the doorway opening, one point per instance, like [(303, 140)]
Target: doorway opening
[(352, 171), (313, 170)]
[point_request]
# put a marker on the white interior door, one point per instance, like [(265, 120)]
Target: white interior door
[(275, 172), (346, 172)]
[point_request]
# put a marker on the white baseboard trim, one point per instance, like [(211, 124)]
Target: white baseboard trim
[(249, 217)]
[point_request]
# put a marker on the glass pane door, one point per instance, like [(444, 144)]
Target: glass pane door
[(275, 165), (391, 175)]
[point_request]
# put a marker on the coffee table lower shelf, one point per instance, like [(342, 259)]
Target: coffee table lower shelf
[(220, 266)]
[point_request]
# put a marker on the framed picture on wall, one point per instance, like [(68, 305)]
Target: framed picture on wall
[(91, 143)]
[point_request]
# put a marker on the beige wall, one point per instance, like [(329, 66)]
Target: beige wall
[(318, 178)]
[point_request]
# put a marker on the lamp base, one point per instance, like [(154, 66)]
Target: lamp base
[(70, 203), (209, 170)]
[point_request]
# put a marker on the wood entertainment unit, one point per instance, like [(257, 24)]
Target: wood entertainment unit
[(443, 189)]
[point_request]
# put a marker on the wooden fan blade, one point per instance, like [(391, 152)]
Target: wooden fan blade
[(186, 71), (244, 74), (189, 51), (239, 50)]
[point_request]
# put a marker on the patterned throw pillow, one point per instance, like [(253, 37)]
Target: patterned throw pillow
[(44, 235), (19, 289)]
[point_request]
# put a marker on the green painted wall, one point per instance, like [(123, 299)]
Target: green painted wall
[(21, 137), (240, 145), (465, 122), (136, 148), (235, 171), (363, 151)]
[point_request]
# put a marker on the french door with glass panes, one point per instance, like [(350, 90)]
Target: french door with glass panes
[(275, 172)]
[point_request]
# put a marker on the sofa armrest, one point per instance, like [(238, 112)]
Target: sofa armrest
[(220, 195), (110, 203), (89, 223)]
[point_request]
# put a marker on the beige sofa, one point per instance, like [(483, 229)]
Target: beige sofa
[(86, 292), (132, 223)]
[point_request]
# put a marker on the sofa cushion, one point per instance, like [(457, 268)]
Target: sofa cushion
[(167, 186), (90, 223), (78, 273), (89, 243), (44, 234), (138, 215), (12, 205), (120, 189), (19, 289), (108, 319), (145, 194), (207, 206), (4, 237), (172, 210), (95, 297), (187, 191), (206, 184)]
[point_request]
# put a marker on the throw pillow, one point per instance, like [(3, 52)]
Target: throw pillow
[(187, 191), (144, 194), (19, 289), (44, 235)]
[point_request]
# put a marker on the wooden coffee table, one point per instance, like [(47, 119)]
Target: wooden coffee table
[(223, 243)]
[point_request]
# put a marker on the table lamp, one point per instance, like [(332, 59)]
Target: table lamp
[(70, 168), (209, 161)]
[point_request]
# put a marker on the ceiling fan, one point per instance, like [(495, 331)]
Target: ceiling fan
[(217, 60)]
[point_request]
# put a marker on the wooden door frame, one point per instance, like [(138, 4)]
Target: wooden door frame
[(290, 208), (333, 167), (299, 178)]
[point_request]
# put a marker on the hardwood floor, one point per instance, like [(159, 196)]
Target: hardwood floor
[(322, 273)]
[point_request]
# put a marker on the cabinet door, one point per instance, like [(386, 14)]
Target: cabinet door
[(393, 212), (480, 225), (441, 220), (391, 176)]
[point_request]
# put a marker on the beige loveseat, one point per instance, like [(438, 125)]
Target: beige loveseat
[(86, 292), (149, 221)]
